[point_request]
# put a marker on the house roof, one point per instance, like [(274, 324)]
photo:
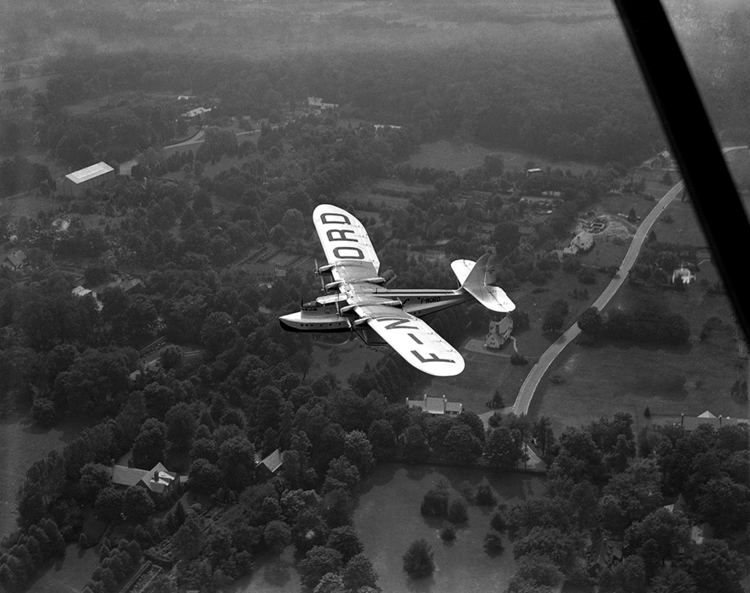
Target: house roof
[(156, 479), (126, 476), (83, 175), (273, 461), (16, 259), (434, 405), (456, 407)]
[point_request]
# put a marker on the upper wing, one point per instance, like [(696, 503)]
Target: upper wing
[(346, 244), (412, 338)]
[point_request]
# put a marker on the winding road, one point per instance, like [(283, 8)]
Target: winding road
[(531, 383)]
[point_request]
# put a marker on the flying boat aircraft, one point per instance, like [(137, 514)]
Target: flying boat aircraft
[(357, 300)]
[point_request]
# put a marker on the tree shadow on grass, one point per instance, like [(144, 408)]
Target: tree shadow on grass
[(423, 585)]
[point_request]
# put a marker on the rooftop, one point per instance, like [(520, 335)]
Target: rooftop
[(158, 479), (272, 462), (89, 173)]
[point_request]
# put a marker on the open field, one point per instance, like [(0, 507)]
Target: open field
[(69, 574), (396, 491), (460, 156), (599, 381), (603, 379)]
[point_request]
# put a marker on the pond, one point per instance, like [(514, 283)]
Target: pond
[(388, 520)]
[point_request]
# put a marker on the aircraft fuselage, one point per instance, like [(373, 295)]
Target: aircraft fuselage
[(331, 312)]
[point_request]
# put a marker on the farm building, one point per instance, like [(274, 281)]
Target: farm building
[(77, 182), (438, 406)]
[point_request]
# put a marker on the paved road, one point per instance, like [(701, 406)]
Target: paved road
[(531, 383)]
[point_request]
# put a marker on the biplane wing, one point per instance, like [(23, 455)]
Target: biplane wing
[(347, 246), (419, 344)]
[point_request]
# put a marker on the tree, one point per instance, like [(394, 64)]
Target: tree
[(534, 573), (359, 573), (418, 560), (485, 496), (108, 505), (435, 502), (631, 495), (137, 504), (416, 448), (341, 473), (493, 544), (714, 567), (237, 462), (181, 426), (504, 449), (330, 583), (658, 537), (190, 537), (277, 535), (382, 438), (346, 541), (555, 315), (319, 561), (217, 331), (358, 450), (630, 575), (148, 447), (94, 477), (204, 476), (673, 580), (461, 443), (725, 504), (457, 511), (549, 542)]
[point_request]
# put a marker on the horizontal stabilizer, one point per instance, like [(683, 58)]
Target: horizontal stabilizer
[(475, 283)]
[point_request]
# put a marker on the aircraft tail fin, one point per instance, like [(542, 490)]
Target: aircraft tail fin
[(473, 279)]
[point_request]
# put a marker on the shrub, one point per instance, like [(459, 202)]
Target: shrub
[(498, 522), (448, 534), (418, 562), (485, 496), (493, 544), (457, 511), (435, 502)]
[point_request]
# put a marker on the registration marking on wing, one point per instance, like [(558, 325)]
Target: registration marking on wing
[(419, 344), (346, 243)]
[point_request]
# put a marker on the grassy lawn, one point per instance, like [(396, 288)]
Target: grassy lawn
[(485, 371), (70, 574), (600, 380), (396, 491)]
